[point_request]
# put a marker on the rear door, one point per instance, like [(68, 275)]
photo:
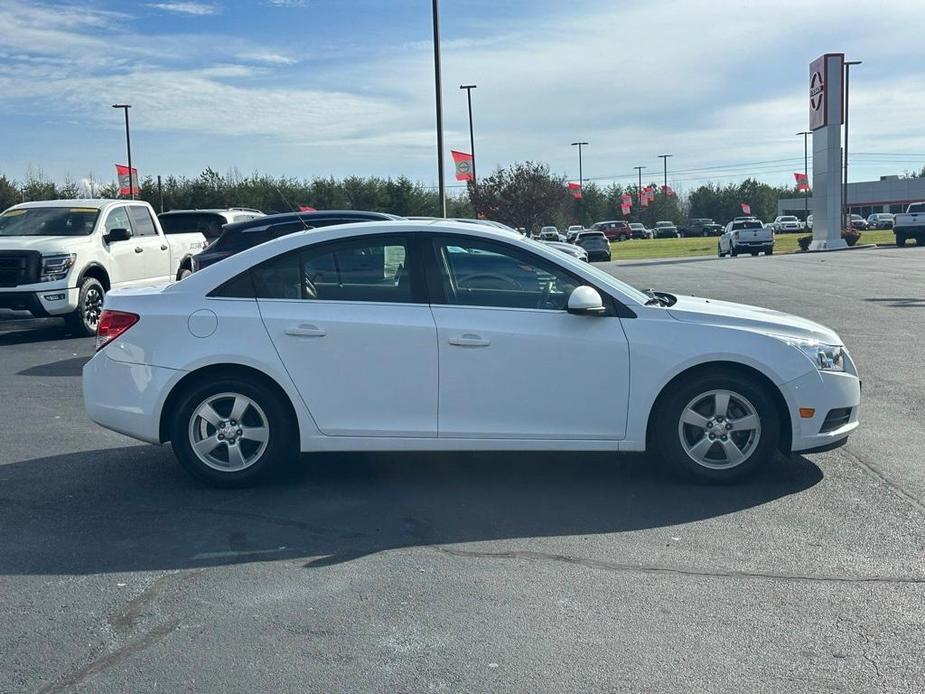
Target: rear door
[(351, 323), (150, 246)]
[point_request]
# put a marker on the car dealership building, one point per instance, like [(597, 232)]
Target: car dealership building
[(889, 194)]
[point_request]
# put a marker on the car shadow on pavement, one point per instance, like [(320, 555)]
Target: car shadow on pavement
[(900, 302), (133, 509), (48, 330), (65, 367)]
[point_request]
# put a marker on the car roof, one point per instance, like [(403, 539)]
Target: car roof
[(269, 220), (96, 203), (215, 210)]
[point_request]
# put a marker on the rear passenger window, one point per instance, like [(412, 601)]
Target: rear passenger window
[(375, 271), (142, 224)]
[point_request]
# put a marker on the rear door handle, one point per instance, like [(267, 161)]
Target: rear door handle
[(139, 249), (469, 340), (306, 330)]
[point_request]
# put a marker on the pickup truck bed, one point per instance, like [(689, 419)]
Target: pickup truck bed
[(910, 225)]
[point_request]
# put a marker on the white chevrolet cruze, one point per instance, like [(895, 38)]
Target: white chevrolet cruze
[(440, 336)]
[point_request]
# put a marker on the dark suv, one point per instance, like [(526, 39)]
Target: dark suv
[(239, 237), (701, 226)]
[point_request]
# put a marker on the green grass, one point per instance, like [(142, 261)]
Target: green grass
[(699, 246)]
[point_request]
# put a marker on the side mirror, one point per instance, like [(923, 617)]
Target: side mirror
[(118, 235), (585, 301)]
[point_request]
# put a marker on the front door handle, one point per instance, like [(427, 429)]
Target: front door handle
[(306, 330), (469, 340), (139, 249), (163, 248)]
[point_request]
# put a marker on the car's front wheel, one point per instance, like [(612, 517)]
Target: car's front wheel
[(231, 432), (716, 427), (900, 240)]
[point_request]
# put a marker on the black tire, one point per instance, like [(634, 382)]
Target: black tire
[(770, 251), (733, 252), (281, 442), (920, 240), (719, 251), (754, 253), (84, 321), (900, 240), (184, 273), (666, 433)]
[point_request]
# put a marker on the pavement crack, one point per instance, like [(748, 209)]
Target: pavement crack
[(677, 571), (879, 476), (112, 658)]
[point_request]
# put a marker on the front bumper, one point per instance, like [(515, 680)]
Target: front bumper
[(49, 301), (125, 397), (829, 394)]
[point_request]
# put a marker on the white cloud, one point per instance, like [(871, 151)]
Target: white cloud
[(198, 9), (268, 57)]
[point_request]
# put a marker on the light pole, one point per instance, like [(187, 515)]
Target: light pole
[(639, 190), (469, 88), (581, 180), (438, 88), (805, 134), (664, 158), (128, 147), (845, 208)]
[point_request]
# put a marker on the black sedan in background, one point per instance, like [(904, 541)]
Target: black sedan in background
[(595, 244), (243, 235)]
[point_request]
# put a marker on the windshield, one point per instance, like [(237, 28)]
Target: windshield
[(788, 219), (209, 224), (48, 221), (917, 207)]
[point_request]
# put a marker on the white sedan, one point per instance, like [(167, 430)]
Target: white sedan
[(436, 336)]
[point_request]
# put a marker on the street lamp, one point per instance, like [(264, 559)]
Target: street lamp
[(845, 208), (664, 158), (639, 190), (438, 88), (579, 145), (128, 147), (805, 134), (469, 88)]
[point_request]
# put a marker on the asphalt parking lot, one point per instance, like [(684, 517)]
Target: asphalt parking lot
[(479, 572)]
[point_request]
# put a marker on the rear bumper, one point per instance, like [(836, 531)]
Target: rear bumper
[(126, 398)]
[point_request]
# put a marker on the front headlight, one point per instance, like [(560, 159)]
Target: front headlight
[(825, 357), (55, 267)]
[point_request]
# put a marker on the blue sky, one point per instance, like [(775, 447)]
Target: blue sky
[(341, 87)]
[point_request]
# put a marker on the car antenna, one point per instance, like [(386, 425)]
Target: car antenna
[(293, 209)]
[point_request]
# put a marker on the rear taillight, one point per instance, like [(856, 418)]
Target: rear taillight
[(112, 324)]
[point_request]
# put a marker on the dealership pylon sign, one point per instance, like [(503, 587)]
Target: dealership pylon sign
[(826, 115)]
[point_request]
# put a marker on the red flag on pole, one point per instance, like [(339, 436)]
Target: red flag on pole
[(128, 184), (644, 199), (463, 163), (802, 181), (650, 193), (666, 190), (625, 208), (626, 200), (575, 190), (746, 208)]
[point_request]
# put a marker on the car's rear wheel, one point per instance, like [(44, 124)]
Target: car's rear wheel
[(231, 432), (85, 320), (900, 240), (716, 427)]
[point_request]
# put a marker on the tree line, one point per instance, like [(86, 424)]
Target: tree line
[(526, 195)]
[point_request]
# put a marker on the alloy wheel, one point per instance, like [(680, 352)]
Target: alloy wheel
[(228, 432), (719, 429), (92, 308)]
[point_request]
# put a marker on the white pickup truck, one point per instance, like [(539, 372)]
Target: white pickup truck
[(910, 224), (745, 236), (60, 257)]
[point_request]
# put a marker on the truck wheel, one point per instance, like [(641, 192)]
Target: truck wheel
[(770, 251), (84, 320), (900, 240), (920, 240), (719, 251), (733, 252), (184, 273)]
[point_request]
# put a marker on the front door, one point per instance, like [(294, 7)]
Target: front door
[(350, 322), (513, 362)]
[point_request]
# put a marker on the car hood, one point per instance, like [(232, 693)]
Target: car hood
[(692, 309), (44, 244)]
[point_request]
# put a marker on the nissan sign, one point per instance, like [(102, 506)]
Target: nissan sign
[(817, 115)]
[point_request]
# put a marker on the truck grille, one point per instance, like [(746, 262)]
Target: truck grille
[(19, 267)]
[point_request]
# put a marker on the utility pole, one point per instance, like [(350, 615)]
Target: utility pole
[(805, 134), (128, 147), (438, 87), (845, 209), (160, 192), (639, 190), (664, 158), (581, 180), (469, 88)]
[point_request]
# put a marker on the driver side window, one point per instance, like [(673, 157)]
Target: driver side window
[(482, 273), (118, 219)]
